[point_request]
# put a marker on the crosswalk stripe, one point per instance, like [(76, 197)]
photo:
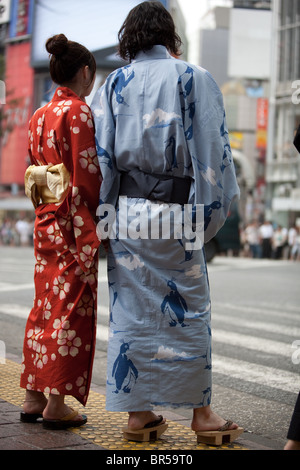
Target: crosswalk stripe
[(255, 373), (227, 263), (255, 325), (251, 342), (289, 313), (15, 287)]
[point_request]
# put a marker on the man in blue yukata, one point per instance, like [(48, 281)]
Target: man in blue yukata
[(163, 148)]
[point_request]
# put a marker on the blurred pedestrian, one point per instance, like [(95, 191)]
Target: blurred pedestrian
[(266, 235), (162, 140), (279, 241), (252, 238), (295, 248), (7, 232), (23, 228), (62, 183), (292, 236)]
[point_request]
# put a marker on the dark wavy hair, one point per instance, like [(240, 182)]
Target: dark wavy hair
[(148, 24)]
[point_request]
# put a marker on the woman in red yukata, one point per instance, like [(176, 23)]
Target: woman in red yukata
[(63, 182)]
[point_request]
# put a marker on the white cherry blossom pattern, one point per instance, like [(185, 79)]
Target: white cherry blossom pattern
[(30, 382), (89, 276), (33, 337), (23, 364), (46, 308), (66, 145), (92, 274), (81, 383), (60, 324), (87, 255), (85, 306), (53, 391), (66, 222), (41, 358), (30, 139), (40, 126), (74, 129), (76, 199), (69, 221), (54, 233), (85, 116), (51, 141), (62, 265), (77, 222), (61, 287), (69, 343), (89, 160), (40, 264), (62, 107)]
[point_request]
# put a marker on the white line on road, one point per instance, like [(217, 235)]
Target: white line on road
[(15, 287), (15, 310), (286, 311), (252, 342), (227, 263), (256, 325), (254, 373)]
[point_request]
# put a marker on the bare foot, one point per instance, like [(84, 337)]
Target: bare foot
[(292, 445), (139, 419), (204, 419), (35, 402), (57, 409)]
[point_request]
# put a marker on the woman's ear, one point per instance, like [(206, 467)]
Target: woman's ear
[(86, 73)]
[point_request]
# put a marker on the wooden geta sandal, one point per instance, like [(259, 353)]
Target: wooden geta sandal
[(223, 435), (151, 432)]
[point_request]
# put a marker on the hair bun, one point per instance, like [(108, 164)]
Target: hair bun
[(57, 45)]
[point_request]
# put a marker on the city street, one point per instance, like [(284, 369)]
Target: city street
[(255, 328)]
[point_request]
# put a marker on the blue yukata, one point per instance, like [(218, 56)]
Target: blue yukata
[(164, 116)]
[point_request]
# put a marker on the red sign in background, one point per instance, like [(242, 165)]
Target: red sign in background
[(17, 112), (262, 122)]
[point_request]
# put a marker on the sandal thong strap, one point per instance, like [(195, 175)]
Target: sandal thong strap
[(154, 423), (226, 426), (70, 416)]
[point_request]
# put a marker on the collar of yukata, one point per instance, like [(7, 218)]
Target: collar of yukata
[(157, 52), (63, 93)]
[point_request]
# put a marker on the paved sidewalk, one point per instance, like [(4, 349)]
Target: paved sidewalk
[(103, 430)]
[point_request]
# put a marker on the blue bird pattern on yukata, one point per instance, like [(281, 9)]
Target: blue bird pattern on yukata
[(161, 115)]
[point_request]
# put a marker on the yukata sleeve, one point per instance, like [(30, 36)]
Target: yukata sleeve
[(214, 178), (105, 128), (78, 212)]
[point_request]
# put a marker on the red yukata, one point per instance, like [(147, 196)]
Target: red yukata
[(60, 334)]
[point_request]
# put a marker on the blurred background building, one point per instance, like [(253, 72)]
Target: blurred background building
[(252, 49), (283, 160)]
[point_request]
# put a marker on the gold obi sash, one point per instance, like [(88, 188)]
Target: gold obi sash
[(46, 183)]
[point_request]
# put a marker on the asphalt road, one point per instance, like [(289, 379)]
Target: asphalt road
[(255, 327)]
